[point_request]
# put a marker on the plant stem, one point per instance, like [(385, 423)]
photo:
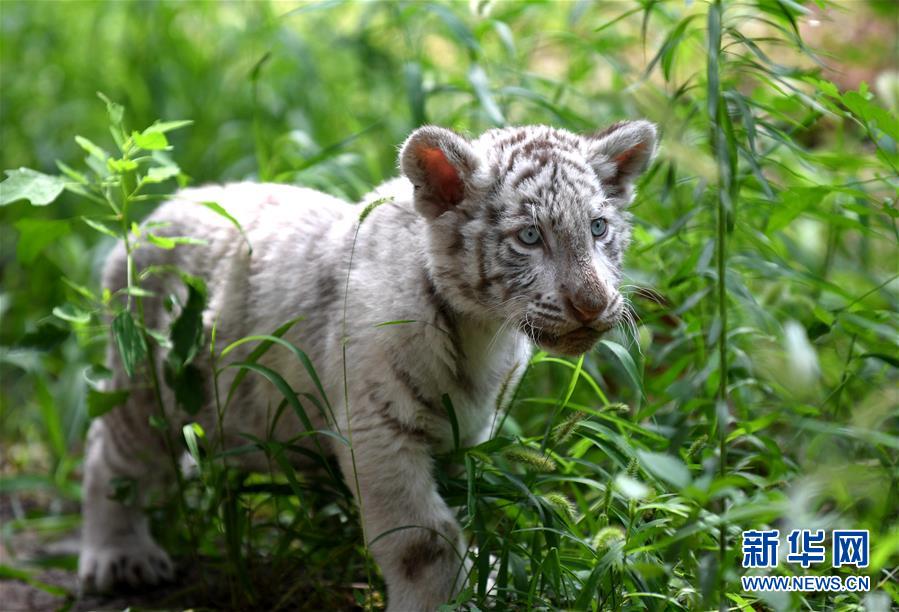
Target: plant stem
[(151, 354), (717, 112), (346, 400)]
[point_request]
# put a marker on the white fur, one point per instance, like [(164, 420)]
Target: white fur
[(436, 263)]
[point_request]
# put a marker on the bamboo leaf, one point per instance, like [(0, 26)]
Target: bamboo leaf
[(129, 341), (626, 361)]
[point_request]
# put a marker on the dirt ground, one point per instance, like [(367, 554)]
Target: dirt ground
[(194, 589), (16, 595), (29, 550), (37, 573)]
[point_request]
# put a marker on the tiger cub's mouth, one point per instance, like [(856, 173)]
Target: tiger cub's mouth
[(573, 343)]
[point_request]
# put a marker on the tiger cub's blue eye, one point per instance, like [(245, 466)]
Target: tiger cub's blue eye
[(599, 227), (529, 236)]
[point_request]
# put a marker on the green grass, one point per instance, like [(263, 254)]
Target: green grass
[(758, 390)]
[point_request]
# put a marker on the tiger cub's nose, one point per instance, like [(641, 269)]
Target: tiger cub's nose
[(584, 309)]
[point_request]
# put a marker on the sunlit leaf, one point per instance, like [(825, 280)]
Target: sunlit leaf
[(150, 140), (72, 314), (665, 467), (25, 184), (631, 488), (158, 174)]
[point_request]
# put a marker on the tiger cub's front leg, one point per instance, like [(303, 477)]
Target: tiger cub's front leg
[(411, 531), (116, 546)]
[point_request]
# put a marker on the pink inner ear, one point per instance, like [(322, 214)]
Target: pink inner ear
[(624, 159), (442, 176)]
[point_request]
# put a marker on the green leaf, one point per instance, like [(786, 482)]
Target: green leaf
[(11, 573), (870, 112), (471, 484), (170, 242), (585, 600), (192, 433), (150, 139), (219, 210), (135, 291), (665, 467), (572, 383), (168, 126), (257, 67), (824, 86), (504, 32), (49, 334), (399, 322), (670, 47), (187, 337), (96, 374), (25, 184), (72, 314), (158, 174), (189, 386), (278, 381), (92, 149), (626, 361), (153, 138), (158, 422), (129, 341), (266, 343), (287, 469), (37, 234), (50, 418), (890, 359), (257, 352), (101, 402), (116, 111), (451, 415), (631, 488), (795, 201), (121, 166), (457, 27), (72, 174), (415, 92), (479, 82), (187, 330), (102, 227), (712, 53)]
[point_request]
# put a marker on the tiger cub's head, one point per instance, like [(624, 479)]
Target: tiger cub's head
[(528, 225)]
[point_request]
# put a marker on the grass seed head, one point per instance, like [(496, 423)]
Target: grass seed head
[(563, 430), (607, 537), (531, 458), (561, 503)]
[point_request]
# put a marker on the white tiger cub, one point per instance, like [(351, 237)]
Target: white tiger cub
[(488, 246)]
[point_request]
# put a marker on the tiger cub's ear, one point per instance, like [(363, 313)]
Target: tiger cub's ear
[(440, 164), (620, 153)]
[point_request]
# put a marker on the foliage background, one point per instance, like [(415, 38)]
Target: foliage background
[(766, 231)]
